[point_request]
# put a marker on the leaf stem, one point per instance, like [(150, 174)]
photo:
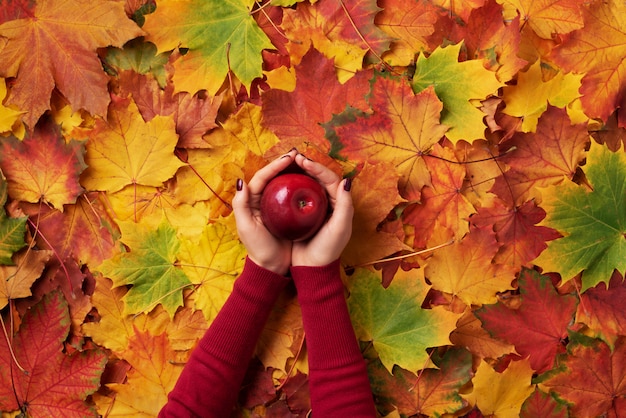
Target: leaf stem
[(400, 257)]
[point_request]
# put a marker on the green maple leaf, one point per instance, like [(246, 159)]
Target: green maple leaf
[(219, 36), (458, 85), (393, 319), (11, 229), (149, 267), (593, 222)]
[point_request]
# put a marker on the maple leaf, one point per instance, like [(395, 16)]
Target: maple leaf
[(296, 117), (368, 242), (516, 230), (409, 23), (539, 326), (431, 391), (152, 377), (442, 205), (469, 333), (601, 309), (16, 281), (544, 158), (79, 231), (558, 91), (488, 37), (9, 115), (353, 22), (54, 44), (54, 384), (541, 404), (43, 167), (149, 267), (12, 230), (591, 364), (221, 36), (212, 263), (501, 394), (593, 223), (465, 269), (141, 57), (597, 50), (393, 319), (402, 127), (126, 150), (549, 17), (457, 85)]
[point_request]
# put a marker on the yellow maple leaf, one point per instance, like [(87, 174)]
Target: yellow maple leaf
[(547, 17), (559, 91), (9, 115), (126, 150), (212, 263), (465, 269), (501, 395)]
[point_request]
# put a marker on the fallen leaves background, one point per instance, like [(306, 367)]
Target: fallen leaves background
[(486, 142)]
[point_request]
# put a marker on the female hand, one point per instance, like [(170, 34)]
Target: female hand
[(264, 249), (327, 245)]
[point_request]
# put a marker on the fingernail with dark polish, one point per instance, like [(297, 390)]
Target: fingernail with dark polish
[(347, 185), (239, 185)]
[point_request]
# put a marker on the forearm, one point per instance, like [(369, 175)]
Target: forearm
[(210, 381), (338, 378)]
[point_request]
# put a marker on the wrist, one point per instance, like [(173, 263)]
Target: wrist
[(274, 266)]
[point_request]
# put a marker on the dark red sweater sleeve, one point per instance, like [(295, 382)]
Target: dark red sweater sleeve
[(210, 382), (338, 380)]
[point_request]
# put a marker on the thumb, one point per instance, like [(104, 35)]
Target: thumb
[(344, 209), (241, 205)]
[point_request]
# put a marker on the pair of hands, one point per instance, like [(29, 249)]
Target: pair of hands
[(278, 255)]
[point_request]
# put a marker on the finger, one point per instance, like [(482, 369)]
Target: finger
[(325, 176), (271, 170), (343, 211)]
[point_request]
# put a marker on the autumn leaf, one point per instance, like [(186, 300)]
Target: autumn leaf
[(43, 167), (126, 150), (536, 160), (441, 205), (16, 281), (431, 391), (296, 117), (501, 394), (465, 270), (558, 91), (221, 36), (393, 319), (402, 127), (539, 326), (212, 263), (409, 24), (457, 85), (470, 333), (601, 309), (592, 222), (12, 230), (53, 383), (549, 17), (54, 45), (368, 243), (9, 115), (152, 377), (597, 50), (140, 56), (591, 378), (149, 266), (541, 404)]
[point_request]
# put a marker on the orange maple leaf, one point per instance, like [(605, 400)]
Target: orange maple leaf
[(598, 50), (54, 44)]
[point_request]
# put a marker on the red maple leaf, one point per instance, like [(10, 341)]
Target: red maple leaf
[(522, 240), (296, 117), (51, 382), (541, 404), (592, 378), (539, 326)]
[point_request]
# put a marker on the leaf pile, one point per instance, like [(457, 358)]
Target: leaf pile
[(485, 274)]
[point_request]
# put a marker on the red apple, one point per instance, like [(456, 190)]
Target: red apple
[(293, 206)]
